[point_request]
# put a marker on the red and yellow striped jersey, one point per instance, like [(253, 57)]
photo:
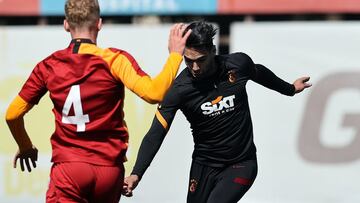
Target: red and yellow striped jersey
[(86, 85)]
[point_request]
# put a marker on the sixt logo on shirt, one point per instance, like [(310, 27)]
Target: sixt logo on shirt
[(218, 106)]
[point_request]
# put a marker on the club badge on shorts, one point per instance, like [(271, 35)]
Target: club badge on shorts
[(232, 76), (193, 184)]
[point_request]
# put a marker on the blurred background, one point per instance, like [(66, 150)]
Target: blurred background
[(308, 145)]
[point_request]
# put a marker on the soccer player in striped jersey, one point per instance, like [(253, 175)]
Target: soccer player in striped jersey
[(211, 93), (86, 85)]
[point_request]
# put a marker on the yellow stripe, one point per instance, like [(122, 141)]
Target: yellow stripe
[(17, 108), (162, 120)]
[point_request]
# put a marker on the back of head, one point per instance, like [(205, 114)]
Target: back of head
[(82, 14), (202, 35)]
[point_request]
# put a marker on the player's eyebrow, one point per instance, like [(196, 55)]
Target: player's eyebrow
[(197, 59)]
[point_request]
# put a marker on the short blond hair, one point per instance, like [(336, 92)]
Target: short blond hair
[(82, 13)]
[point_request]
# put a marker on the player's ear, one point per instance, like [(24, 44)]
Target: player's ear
[(66, 26), (99, 24)]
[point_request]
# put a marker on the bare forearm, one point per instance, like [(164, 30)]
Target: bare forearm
[(15, 120), (18, 131)]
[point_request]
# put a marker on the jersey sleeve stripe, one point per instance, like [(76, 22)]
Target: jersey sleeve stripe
[(130, 58), (162, 120)]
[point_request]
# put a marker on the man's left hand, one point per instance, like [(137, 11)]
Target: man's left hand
[(301, 84)]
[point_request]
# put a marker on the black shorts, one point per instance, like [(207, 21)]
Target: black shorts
[(220, 185)]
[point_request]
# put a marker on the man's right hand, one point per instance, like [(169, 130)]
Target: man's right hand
[(130, 184), (26, 156), (177, 38)]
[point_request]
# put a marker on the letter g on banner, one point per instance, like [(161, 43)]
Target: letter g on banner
[(310, 146)]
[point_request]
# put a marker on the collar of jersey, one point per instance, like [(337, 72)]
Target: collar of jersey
[(82, 40)]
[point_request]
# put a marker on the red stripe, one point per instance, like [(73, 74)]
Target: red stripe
[(132, 60), (242, 181)]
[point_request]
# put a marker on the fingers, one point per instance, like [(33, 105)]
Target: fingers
[(182, 28), (15, 161), (130, 186), (33, 162), (301, 84), (175, 29), (186, 36), (178, 30), (305, 79), (22, 164), (126, 191), (172, 30), (35, 158), (129, 194), (28, 156), (28, 164), (306, 85), (177, 38)]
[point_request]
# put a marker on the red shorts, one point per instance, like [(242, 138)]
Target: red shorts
[(83, 182)]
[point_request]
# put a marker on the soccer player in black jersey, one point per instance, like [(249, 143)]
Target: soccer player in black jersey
[(211, 94)]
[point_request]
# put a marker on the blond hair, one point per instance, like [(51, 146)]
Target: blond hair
[(82, 13)]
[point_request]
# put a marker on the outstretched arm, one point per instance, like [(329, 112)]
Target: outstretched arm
[(152, 90), (267, 78)]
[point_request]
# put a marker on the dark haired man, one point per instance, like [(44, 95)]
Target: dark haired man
[(212, 95)]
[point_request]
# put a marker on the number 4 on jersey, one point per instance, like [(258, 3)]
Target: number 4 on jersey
[(79, 119)]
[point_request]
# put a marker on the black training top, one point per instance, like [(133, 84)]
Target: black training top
[(217, 109)]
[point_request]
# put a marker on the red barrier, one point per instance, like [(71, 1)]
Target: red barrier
[(287, 6), (19, 7)]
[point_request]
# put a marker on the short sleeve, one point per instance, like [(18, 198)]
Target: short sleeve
[(35, 86)]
